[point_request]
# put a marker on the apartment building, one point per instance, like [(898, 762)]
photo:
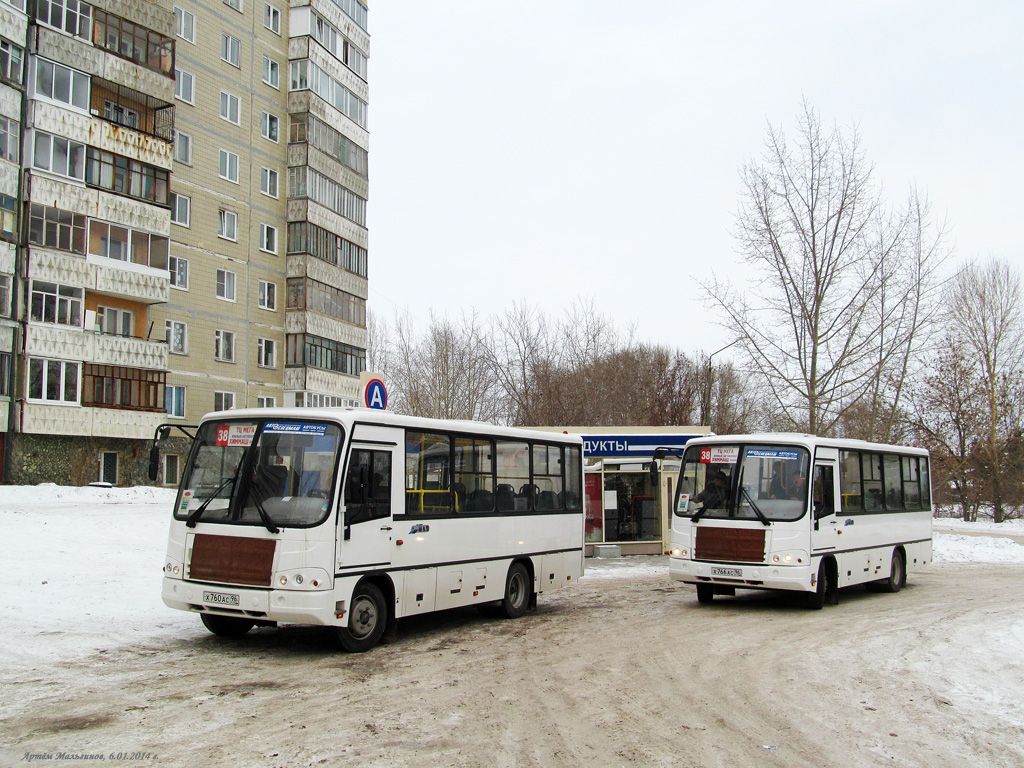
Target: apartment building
[(192, 236)]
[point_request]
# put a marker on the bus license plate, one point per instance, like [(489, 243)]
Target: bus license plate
[(220, 598), (734, 573)]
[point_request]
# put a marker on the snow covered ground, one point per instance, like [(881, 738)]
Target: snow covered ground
[(86, 567)]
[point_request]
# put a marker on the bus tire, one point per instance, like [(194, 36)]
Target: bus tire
[(226, 626), (366, 619), (816, 599), (897, 573), (517, 592), (705, 593)]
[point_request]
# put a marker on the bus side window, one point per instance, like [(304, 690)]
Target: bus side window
[(368, 486), (824, 499)]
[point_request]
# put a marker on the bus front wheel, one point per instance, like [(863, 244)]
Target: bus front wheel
[(816, 599), (705, 593), (366, 620), (897, 574), (517, 592), (226, 626)]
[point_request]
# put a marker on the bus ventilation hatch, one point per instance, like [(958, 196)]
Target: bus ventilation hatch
[(734, 545), (232, 560)]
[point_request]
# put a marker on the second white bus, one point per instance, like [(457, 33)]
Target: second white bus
[(356, 518), (801, 513)]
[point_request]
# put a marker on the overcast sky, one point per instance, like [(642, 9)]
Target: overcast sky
[(586, 149)]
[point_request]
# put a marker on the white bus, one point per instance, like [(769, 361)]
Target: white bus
[(356, 518), (798, 512)]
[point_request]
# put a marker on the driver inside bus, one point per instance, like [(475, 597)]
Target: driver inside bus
[(715, 493)]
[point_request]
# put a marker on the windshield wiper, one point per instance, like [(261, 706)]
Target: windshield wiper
[(753, 506), (268, 523), (193, 518)]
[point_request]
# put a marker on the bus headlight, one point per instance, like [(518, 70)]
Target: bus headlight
[(679, 552), (304, 579), (173, 569), (789, 558)]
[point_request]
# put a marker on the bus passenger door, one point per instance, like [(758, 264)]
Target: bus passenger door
[(825, 525), (372, 489)]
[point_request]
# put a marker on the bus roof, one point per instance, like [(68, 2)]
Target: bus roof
[(350, 416), (806, 440)]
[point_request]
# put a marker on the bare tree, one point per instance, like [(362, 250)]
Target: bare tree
[(985, 317), (839, 283)]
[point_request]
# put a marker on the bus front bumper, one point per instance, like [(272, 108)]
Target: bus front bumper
[(276, 605), (759, 576)]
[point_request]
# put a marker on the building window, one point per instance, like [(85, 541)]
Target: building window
[(115, 386), (5, 374), (328, 354), (184, 86), (271, 126), (304, 74), (182, 148), (306, 128), (10, 139), (236, 4), (185, 24), (271, 72), (108, 467), (314, 296), (334, 41), (54, 228), (265, 401), (229, 107), (61, 84), (224, 346), (59, 155), (269, 182), (303, 181), (265, 353), (174, 401), (8, 217), (181, 209), (5, 295), (323, 244), (124, 176), (53, 381), (223, 401), (228, 168), (71, 16), (11, 62), (268, 238), (268, 295), (120, 114), (229, 48), (272, 18), (115, 321), (225, 285), (227, 224), (132, 41), (178, 268), (171, 464), (176, 336), (54, 303), (109, 240)]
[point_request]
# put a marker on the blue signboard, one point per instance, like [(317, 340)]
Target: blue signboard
[(376, 395)]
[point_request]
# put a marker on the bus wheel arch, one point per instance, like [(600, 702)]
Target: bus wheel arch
[(369, 614)]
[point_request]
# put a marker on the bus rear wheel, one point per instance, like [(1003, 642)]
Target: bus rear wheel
[(517, 592), (366, 620), (226, 626), (705, 593)]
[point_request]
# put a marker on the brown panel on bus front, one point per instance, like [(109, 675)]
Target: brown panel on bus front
[(232, 560), (733, 545)]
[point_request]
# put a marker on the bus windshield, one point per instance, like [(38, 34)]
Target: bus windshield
[(253, 472), (753, 482)]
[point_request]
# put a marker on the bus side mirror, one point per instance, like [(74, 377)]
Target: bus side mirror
[(658, 455), (154, 462)]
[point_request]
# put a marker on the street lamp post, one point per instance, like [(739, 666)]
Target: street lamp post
[(705, 406)]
